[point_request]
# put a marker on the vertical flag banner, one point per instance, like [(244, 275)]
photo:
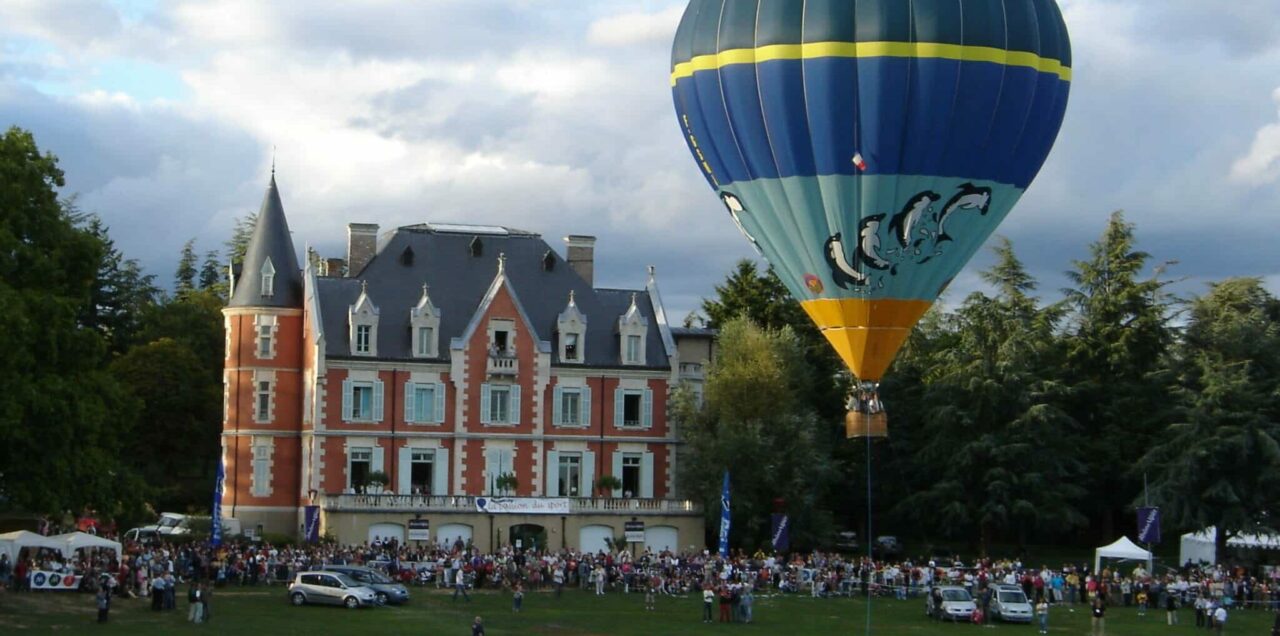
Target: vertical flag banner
[(215, 535), (1148, 525), (311, 525), (724, 517), (781, 532)]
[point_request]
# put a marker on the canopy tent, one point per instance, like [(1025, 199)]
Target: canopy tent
[(73, 541), (1122, 549), (11, 543), (1199, 547)]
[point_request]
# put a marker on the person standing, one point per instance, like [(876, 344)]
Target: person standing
[(195, 610), (460, 585), (558, 579), (104, 603), (477, 627), (708, 598), (726, 598), (1042, 615), (747, 600), (1171, 607), (1219, 618), (1099, 616), (517, 597), (206, 597)]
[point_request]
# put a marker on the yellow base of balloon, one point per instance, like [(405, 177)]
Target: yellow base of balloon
[(866, 425), (866, 333)]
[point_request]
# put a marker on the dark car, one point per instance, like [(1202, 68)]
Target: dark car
[(387, 590)]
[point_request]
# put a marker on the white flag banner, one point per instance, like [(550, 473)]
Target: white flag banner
[(41, 580)]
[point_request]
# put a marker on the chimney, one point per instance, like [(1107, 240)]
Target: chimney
[(362, 244), (581, 256), (332, 267)]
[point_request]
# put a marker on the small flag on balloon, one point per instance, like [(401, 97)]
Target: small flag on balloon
[(858, 161)]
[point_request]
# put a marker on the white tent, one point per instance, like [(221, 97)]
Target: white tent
[(1124, 550), (1198, 547), (73, 541), (11, 543)]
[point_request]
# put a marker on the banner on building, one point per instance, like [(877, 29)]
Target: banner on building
[(781, 532), (215, 534), (522, 505), (1148, 525), (311, 524), (419, 529), (634, 531), (724, 518), (41, 580)]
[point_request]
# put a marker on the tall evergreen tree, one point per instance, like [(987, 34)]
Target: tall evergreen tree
[(121, 294), (210, 271), (184, 278)]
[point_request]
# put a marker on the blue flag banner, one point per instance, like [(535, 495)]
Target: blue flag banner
[(724, 517), (311, 524), (1148, 525), (781, 532), (215, 535)]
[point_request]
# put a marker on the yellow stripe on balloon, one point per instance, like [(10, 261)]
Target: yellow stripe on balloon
[(867, 333), (922, 50)]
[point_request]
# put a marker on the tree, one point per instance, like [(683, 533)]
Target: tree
[(185, 277), (61, 414), (1220, 465), (755, 423), (121, 292), (1119, 372), (210, 272), (238, 244)]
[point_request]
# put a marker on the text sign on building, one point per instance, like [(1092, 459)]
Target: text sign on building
[(635, 531), (522, 505), (419, 529)]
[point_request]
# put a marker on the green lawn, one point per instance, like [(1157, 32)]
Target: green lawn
[(265, 612)]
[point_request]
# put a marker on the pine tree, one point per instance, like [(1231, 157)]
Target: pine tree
[(185, 277)]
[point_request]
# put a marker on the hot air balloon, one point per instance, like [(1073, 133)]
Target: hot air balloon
[(867, 148)]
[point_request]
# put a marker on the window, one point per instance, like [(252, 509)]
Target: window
[(570, 469), (424, 403), (421, 471), (262, 402), (497, 462), (261, 470), (631, 409), (362, 338), (358, 467), (633, 349), (630, 474), (268, 278), (362, 402), (426, 338), (571, 407), (571, 347), (264, 341), (499, 404), (501, 341)]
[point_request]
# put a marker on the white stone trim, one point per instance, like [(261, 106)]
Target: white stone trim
[(260, 321), (268, 376)]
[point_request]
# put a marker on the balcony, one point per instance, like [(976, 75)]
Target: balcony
[(691, 371), (447, 503), (502, 362)]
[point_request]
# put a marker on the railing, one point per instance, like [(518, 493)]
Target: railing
[(502, 363), (461, 503), (691, 370)]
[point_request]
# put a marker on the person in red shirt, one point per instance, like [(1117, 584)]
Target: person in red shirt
[(726, 597)]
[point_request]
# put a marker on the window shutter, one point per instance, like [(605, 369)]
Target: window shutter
[(584, 418), (515, 404), (553, 474), (617, 471), (557, 415), (378, 463), (440, 468), (646, 416), (484, 403), (588, 487), (646, 475), (618, 412), (377, 400), (439, 411), (346, 400), (410, 402), (404, 471)]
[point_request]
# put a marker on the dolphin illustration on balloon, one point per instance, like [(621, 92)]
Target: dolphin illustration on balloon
[(868, 149)]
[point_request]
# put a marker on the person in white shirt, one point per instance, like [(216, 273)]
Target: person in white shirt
[(1219, 619)]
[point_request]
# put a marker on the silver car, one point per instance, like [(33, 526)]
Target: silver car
[(951, 603), (330, 588), (387, 590), (1009, 603)]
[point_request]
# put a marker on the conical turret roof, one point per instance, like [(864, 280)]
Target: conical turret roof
[(271, 243)]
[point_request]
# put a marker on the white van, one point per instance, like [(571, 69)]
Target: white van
[(173, 523)]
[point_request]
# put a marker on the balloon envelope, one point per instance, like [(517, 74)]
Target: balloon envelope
[(868, 148)]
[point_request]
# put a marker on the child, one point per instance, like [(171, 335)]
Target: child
[(517, 596), (1042, 613), (1142, 602), (977, 616)]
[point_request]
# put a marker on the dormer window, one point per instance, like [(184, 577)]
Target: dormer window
[(632, 330), (268, 278), (362, 320), (572, 327), (424, 323)]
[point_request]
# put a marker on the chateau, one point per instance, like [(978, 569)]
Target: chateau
[(452, 382)]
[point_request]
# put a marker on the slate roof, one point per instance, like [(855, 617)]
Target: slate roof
[(270, 239), (441, 257)]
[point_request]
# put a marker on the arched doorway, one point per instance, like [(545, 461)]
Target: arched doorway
[(527, 536), (385, 531), (594, 538), (450, 534)]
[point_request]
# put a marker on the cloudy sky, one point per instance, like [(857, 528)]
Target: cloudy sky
[(555, 116)]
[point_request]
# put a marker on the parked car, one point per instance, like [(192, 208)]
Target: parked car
[(887, 547), (949, 602), (331, 588), (387, 590), (1009, 603)]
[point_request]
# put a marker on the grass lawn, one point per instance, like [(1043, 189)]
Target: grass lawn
[(266, 612)]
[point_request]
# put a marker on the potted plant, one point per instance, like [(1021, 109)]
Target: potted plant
[(507, 482), (376, 480), (606, 484)]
